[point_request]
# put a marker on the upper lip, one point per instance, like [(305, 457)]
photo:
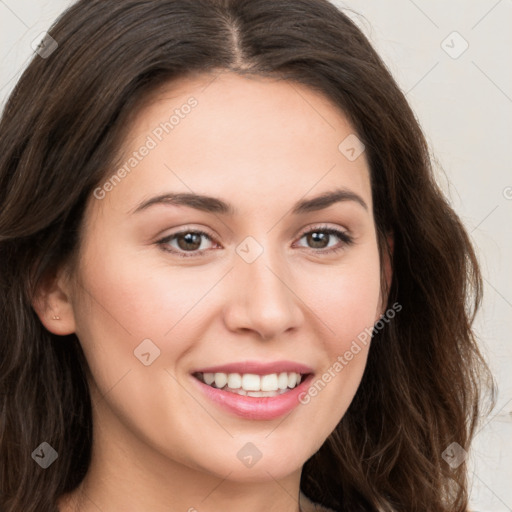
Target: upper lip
[(257, 368)]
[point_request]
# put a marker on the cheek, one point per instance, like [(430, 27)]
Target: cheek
[(138, 293), (346, 298), (347, 308), (123, 305), (122, 301)]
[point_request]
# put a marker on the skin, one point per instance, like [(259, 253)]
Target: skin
[(160, 444)]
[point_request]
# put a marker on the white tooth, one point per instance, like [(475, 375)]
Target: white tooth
[(208, 378), (269, 382), (299, 378), (256, 393), (292, 379), (282, 380), (234, 381), (220, 380), (251, 382)]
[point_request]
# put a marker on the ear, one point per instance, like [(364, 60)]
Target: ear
[(386, 273), (52, 303)]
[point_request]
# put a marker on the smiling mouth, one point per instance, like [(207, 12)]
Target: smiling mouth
[(250, 384)]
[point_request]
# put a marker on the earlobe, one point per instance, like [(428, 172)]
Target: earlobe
[(52, 304)]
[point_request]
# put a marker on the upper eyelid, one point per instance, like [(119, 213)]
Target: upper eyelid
[(303, 232)]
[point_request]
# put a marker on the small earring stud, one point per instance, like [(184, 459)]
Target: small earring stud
[(55, 317)]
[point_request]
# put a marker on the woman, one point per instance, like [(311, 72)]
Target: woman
[(229, 278)]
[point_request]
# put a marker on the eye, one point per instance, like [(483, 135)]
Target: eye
[(189, 240), (320, 237)]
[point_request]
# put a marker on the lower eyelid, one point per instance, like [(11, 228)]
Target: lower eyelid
[(165, 242), (344, 237)]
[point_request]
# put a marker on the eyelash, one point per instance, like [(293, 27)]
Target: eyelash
[(346, 240)]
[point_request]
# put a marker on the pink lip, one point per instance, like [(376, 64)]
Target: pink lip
[(255, 408), (257, 368)]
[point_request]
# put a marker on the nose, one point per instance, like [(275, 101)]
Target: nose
[(262, 298)]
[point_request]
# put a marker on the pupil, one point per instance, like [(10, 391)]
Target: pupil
[(317, 239), (193, 239)]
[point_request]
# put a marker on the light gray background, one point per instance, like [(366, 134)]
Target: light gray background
[(464, 104)]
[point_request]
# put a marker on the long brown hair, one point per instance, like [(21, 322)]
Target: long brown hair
[(60, 130)]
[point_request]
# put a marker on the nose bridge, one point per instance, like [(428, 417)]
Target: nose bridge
[(263, 299)]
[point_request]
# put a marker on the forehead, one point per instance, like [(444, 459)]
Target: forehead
[(223, 134)]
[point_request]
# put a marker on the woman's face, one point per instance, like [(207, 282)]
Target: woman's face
[(254, 298)]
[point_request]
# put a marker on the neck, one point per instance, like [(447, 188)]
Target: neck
[(130, 475)]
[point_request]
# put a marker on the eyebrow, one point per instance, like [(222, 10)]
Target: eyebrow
[(216, 205)]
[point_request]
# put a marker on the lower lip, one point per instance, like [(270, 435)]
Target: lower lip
[(252, 407)]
